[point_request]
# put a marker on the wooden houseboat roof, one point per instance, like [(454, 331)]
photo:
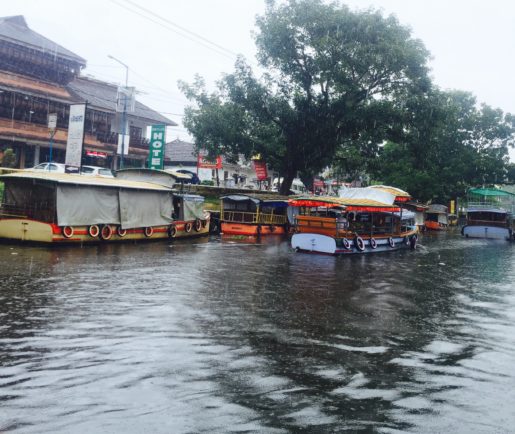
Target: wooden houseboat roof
[(90, 181), (257, 198)]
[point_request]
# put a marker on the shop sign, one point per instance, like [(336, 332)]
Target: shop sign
[(157, 147)]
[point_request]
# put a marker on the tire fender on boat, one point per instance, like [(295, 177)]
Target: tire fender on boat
[(187, 227), (121, 232), (94, 231), (106, 232), (391, 242), (373, 243), (198, 225), (359, 243), (172, 231), (149, 231), (346, 243), (67, 231)]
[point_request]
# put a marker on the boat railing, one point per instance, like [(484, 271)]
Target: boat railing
[(28, 212), (255, 218)]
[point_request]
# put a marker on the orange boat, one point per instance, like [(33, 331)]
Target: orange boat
[(254, 214), (436, 218)]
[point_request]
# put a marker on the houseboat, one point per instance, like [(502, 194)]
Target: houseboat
[(350, 225), (62, 208), (436, 218), (489, 214), (253, 214)]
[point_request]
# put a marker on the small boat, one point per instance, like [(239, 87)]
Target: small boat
[(436, 218), (62, 208), (489, 214), (253, 214), (357, 223)]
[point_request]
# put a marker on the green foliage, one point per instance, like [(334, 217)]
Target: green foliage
[(9, 158), (447, 144), (207, 182), (329, 70)]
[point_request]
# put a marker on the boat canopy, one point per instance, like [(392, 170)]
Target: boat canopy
[(160, 177), (436, 209), (192, 206), (490, 192), (78, 200), (400, 195), (350, 204), (268, 200), (374, 194)]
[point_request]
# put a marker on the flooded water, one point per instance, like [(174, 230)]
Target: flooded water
[(238, 337)]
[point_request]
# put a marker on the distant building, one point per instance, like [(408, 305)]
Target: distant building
[(39, 77), (183, 155)]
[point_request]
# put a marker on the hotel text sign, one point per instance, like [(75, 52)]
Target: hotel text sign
[(75, 137), (157, 147)]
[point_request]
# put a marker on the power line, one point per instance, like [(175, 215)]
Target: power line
[(211, 45)]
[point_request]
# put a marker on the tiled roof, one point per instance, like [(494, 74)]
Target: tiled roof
[(178, 151), (14, 29), (102, 95), (11, 81)]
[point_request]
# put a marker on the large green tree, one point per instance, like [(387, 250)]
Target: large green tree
[(327, 71), (444, 143)]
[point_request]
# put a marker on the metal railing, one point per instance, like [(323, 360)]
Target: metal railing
[(251, 217)]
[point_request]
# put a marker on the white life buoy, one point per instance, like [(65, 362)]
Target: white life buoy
[(187, 227), (94, 231), (198, 225), (172, 231), (391, 242), (106, 232), (121, 232), (346, 243), (373, 243), (149, 231), (360, 244), (67, 232)]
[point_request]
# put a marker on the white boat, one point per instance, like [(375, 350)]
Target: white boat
[(489, 214)]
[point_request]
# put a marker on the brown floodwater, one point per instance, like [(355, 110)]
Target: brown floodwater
[(232, 336)]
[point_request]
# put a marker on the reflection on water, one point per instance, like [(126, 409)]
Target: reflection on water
[(235, 336)]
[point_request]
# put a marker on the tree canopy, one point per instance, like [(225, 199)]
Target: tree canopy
[(327, 71), (350, 90)]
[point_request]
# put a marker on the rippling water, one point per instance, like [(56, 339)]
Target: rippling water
[(227, 336)]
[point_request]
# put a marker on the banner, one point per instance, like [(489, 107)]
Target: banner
[(123, 142), (157, 147), (204, 163), (260, 168), (75, 140)]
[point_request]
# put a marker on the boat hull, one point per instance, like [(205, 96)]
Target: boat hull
[(318, 243), (484, 231), (27, 230), (434, 226), (249, 229)]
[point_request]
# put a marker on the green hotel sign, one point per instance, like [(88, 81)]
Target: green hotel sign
[(156, 155)]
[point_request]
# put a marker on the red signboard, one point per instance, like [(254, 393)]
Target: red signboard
[(96, 154), (204, 163), (260, 168)]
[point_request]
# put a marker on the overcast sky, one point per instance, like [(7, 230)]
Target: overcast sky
[(471, 41)]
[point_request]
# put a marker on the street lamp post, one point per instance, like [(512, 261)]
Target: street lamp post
[(124, 113)]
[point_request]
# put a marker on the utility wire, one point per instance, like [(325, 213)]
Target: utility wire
[(211, 45)]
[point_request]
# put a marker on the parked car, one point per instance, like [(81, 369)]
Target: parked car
[(49, 167), (96, 171), (194, 177)]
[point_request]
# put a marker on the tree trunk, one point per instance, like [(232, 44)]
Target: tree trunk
[(287, 181)]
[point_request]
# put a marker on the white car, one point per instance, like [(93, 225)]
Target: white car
[(49, 167), (96, 171)]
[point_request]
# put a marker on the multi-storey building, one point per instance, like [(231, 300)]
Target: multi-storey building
[(39, 77)]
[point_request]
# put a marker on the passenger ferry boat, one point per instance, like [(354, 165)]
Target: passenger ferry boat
[(489, 214), (61, 208), (354, 224), (253, 214)]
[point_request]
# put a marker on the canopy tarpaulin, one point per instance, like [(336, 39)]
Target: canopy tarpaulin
[(78, 205), (193, 207), (367, 193), (145, 208), (490, 192)]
